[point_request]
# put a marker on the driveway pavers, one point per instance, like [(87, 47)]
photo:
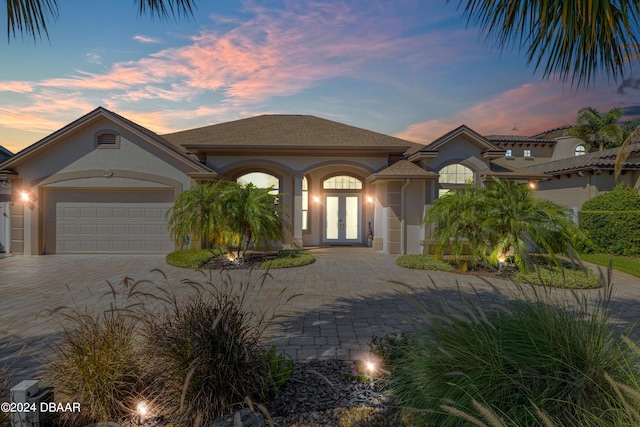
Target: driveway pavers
[(346, 297)]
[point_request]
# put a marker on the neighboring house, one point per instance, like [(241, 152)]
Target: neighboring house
[(5, 206), (103, 184)]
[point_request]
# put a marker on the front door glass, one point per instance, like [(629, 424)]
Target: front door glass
[(342, 218)]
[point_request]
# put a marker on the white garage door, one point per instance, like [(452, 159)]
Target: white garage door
[(106, 226)]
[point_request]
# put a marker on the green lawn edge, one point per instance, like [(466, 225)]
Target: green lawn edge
[(190, 258), (625, 264), (289, 259)]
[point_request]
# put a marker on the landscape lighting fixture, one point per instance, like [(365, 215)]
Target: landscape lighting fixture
[(142, 410)]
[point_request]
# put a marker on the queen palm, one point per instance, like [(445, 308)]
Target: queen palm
[(573, 39), (32, 16), (597, 129)]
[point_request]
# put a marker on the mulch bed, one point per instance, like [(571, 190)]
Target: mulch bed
[(248, 261)]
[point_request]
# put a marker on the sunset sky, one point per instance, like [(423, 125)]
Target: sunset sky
[(409, 68)]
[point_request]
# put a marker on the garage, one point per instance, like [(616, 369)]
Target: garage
[(133, 221)]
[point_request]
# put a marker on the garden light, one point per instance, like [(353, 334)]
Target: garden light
[(501, 261), (371, 367), (142, 410)]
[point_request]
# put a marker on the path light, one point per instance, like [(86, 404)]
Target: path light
[(501, 260), (371, 367), (142, 409)]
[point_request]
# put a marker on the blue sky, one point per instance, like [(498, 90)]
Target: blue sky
[(409, 68)]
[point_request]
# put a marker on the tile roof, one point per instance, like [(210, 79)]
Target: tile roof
[(286, 131), (518, 138), (605, 159)]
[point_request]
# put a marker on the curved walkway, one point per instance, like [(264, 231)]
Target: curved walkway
[(345, 298)]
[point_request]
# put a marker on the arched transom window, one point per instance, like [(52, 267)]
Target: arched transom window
[(456, 174), (260, 180), (342, 182), (580, 150)]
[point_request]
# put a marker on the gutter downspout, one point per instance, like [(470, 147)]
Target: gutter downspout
[(403, 228)]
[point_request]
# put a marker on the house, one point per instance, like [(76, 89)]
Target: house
[(103, 184), (5, 205)]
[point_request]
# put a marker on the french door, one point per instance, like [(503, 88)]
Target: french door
[(342, 218)]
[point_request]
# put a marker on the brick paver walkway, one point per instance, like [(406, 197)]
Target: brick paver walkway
[(345, 298)]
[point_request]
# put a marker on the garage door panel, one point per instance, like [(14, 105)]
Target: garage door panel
[(104, 226)]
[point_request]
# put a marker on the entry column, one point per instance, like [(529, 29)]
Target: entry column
[(297, 211)]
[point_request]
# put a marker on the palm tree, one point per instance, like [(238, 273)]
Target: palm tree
[(457, 231), (32, 16), (196, 213), (599, 130), (502, 218), (252, 215), (574, 39), (515, 221)]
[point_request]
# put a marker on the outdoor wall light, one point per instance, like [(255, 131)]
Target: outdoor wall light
[(316, 199), (369, 199), (25, 197), (532, 185)]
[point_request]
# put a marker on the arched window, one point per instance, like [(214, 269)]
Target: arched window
[(453, 176), (580, 150), (456, 174), (260, 180), (342, 182)]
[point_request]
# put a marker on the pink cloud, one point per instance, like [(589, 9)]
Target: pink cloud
[(16, 86), (527, 110)]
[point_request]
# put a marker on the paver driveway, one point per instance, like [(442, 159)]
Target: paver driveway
[(346, 297)]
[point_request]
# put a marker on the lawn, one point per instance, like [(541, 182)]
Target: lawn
[(624, 264)]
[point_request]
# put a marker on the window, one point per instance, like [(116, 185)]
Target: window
[(456, 174), (305, 204), (527, 153), (580, 150), (508, 153), (260, 180), (107, 140), (342, 182)]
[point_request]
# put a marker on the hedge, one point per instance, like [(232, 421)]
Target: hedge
[(613, 232)]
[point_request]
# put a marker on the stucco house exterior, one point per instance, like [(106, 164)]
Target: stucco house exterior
[(103, 184)]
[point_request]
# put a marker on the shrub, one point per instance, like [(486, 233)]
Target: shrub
[(190, 258), (580, 278), (612, 220), (289, 258), (526, 362), (422, 262), (206, 357), (97, 364)]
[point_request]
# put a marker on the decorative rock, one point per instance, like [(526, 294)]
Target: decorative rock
[(243, 418)]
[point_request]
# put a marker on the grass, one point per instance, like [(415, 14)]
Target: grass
[(289, 258), (566, 278), (191, 258), (625, 264), (423, 262), (5, 417), (529, 361)]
